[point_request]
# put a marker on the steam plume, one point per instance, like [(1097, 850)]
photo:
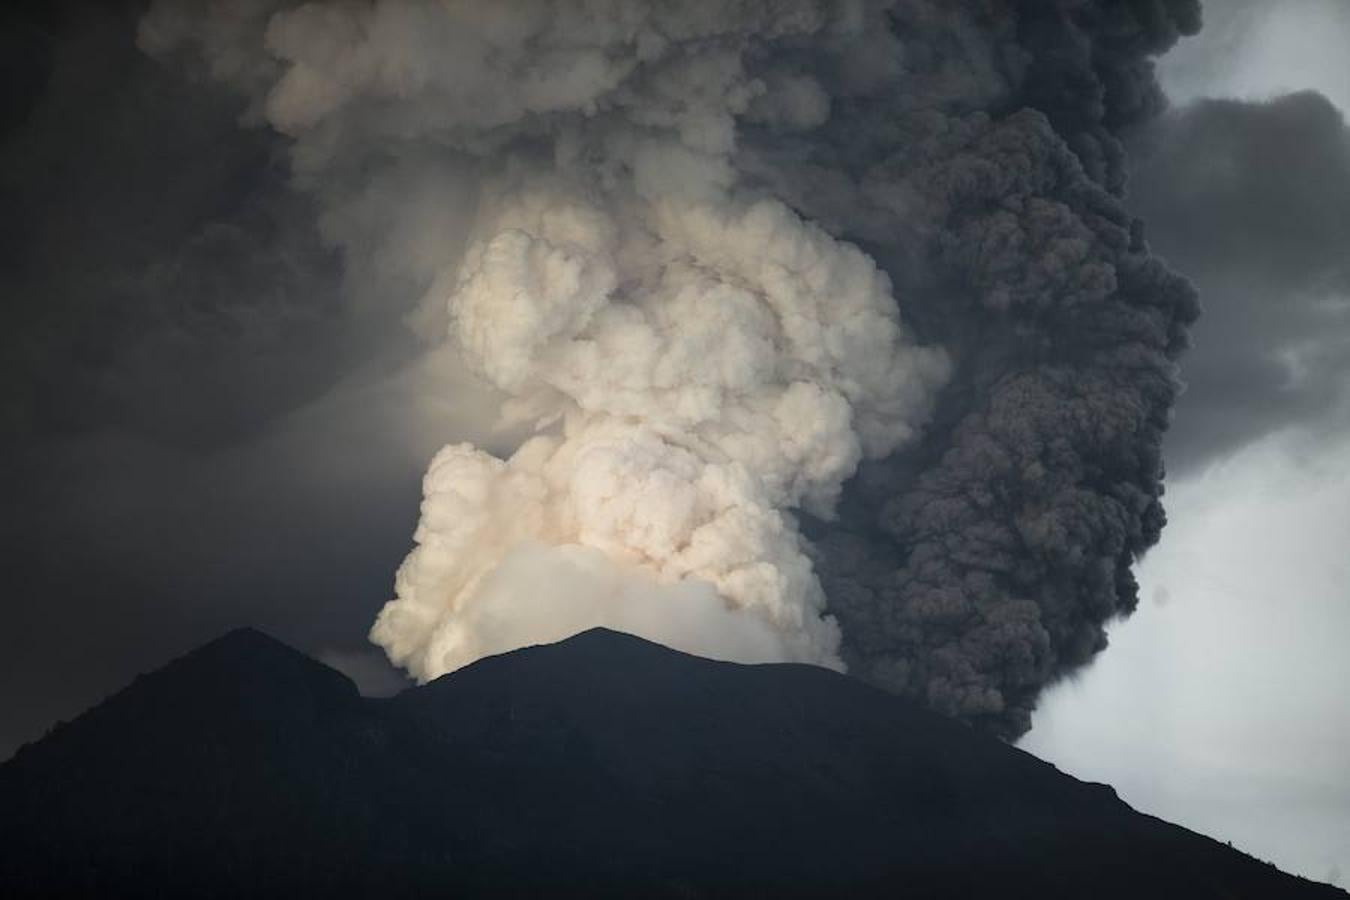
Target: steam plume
[(641, 222)]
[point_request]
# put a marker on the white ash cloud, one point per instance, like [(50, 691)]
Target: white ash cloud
[(701, 360)]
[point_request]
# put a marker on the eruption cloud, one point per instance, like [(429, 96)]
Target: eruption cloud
[(642, 223)]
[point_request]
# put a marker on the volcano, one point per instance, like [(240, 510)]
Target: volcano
[(600, 765)]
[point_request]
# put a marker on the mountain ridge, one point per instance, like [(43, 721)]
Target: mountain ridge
[(602, 764)]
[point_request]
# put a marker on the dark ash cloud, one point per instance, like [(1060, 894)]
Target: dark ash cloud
[(1250, 199), (974, 570)]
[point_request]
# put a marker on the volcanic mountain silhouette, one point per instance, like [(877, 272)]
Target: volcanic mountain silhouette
[(601, 765)]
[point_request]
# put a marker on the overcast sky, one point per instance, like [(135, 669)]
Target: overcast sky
[(147, 514), (1224, 703)]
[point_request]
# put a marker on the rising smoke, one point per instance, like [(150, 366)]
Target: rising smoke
[(644, 223)]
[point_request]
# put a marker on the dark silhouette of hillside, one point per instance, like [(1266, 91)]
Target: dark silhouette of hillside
[(602, 765)]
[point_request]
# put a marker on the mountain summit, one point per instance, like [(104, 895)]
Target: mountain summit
[(600, 765)]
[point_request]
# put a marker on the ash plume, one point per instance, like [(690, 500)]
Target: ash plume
[(719, 255)]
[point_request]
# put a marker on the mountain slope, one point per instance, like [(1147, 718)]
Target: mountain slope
[(600, 765)]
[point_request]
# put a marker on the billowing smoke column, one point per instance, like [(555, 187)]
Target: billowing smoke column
[(641, 222), (713, 361), (975, 568)]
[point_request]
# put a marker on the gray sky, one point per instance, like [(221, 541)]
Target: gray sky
[(1222, 704)]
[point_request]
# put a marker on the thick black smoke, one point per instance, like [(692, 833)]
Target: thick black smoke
[(975, 569)]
